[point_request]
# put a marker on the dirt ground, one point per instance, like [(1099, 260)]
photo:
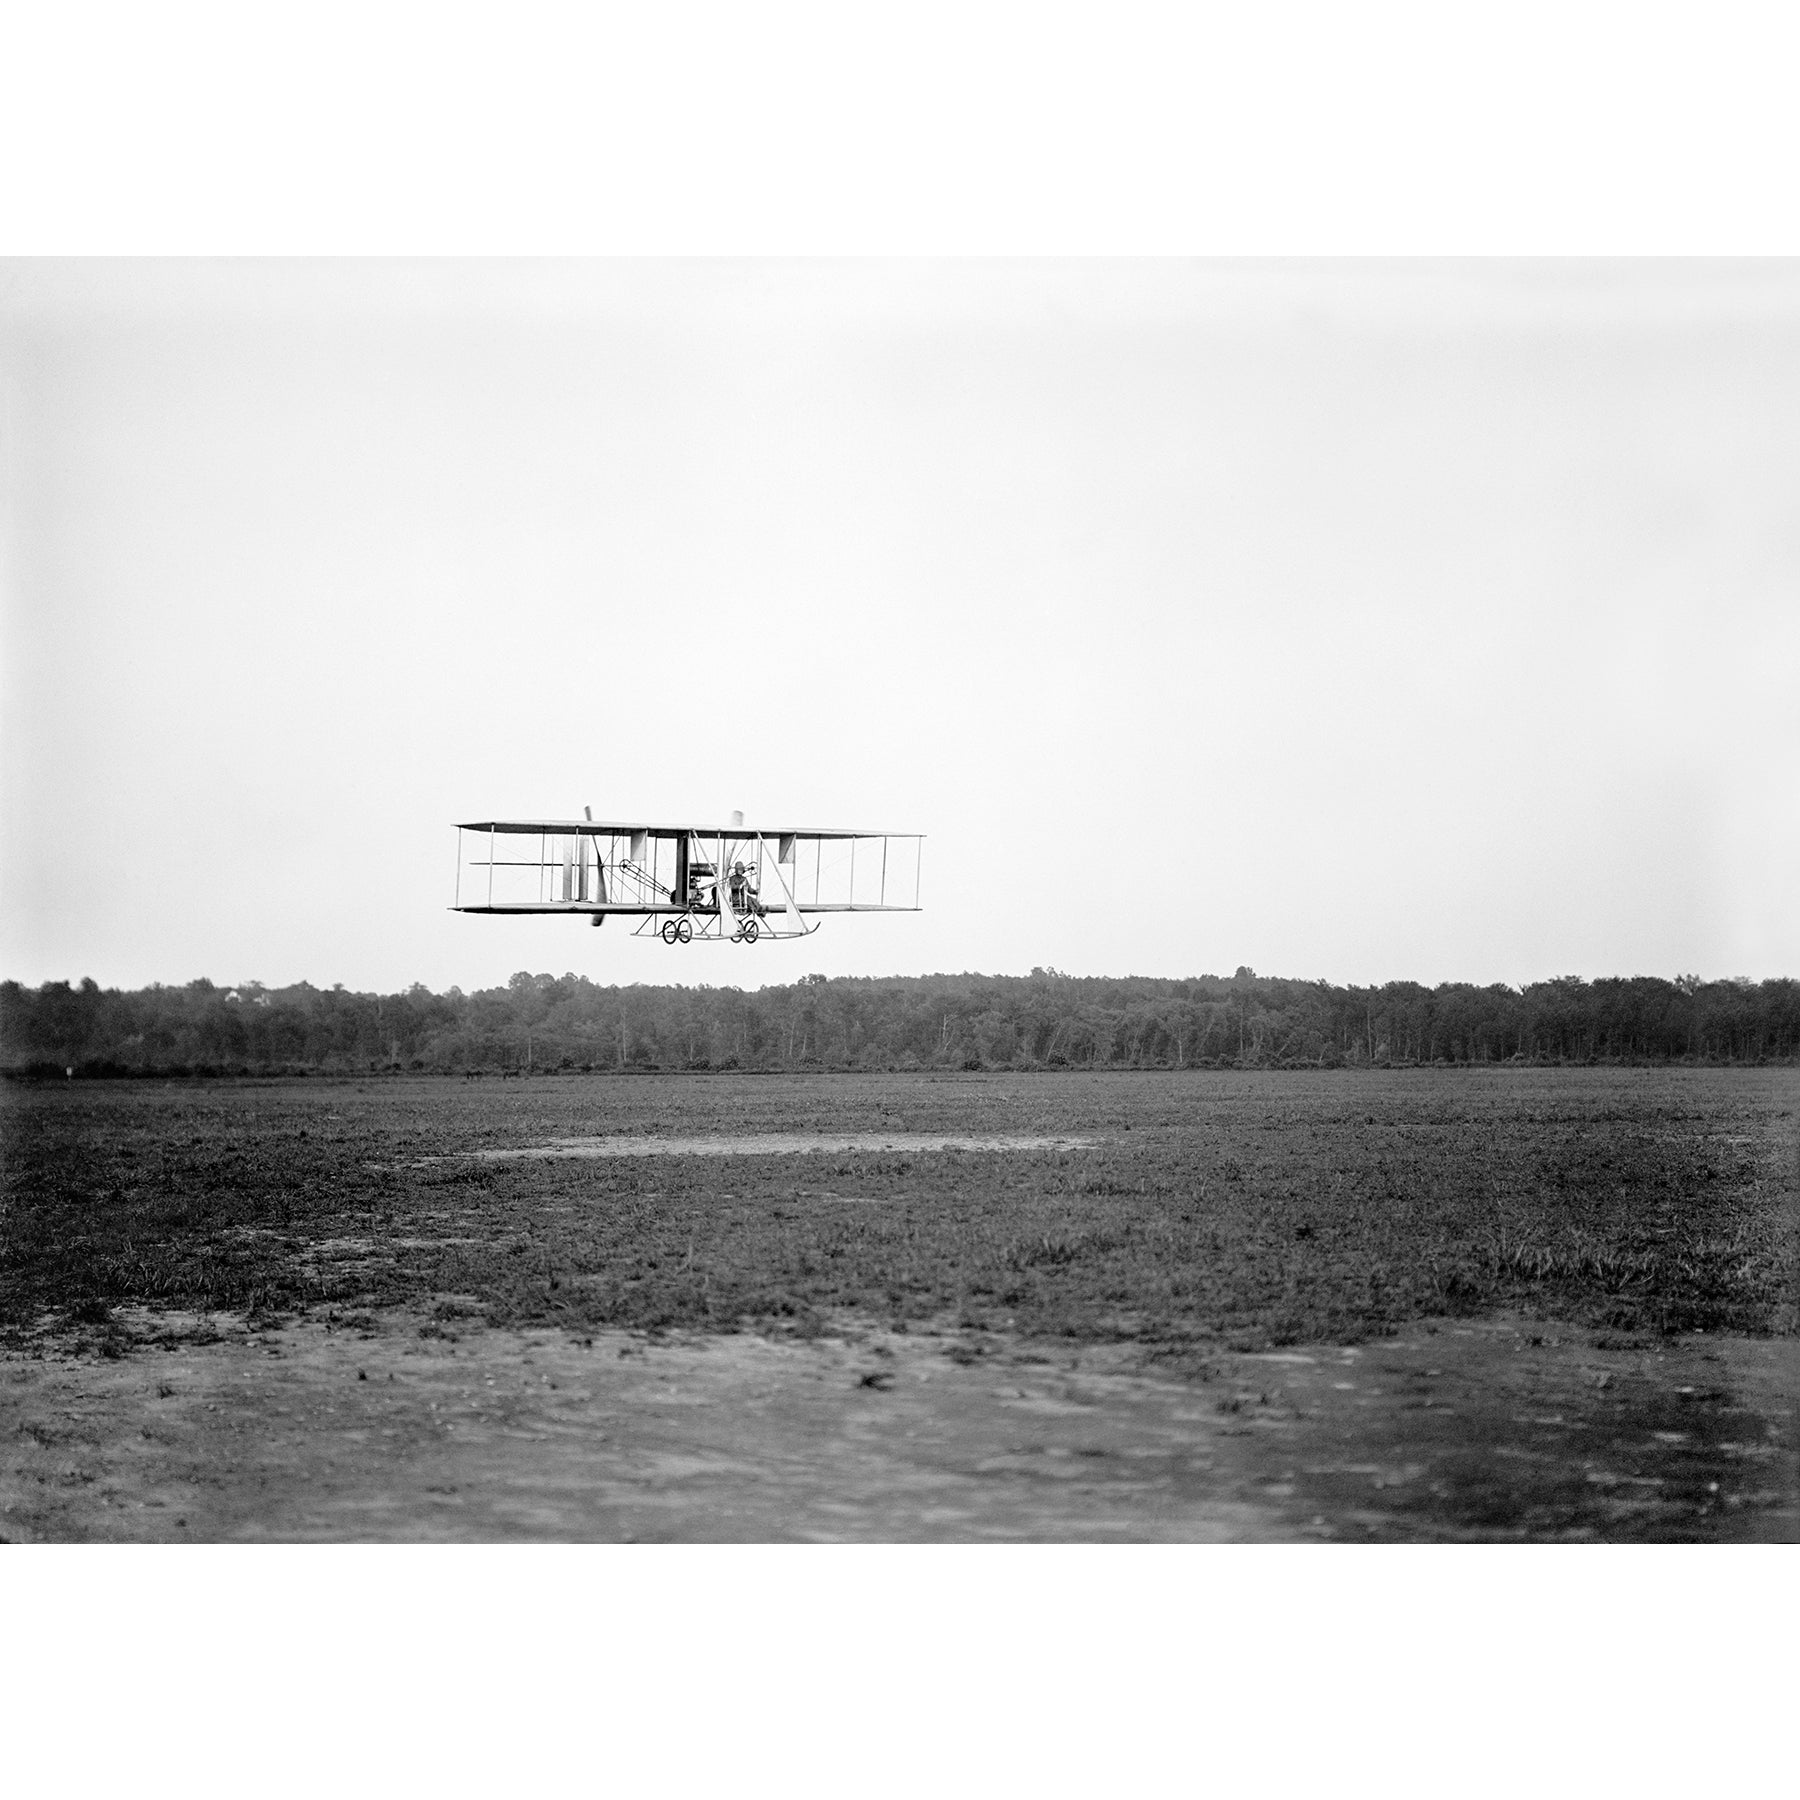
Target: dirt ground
[(391, 1430)]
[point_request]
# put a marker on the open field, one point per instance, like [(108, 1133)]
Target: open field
[(1441, 1303)]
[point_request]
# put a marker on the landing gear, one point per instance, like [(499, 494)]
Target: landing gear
[(681, 928)]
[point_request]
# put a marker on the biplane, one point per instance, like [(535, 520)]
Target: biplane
[(684, 883)]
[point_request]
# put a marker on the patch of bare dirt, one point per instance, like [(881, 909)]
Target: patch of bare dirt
[(777, 1143), (392, 1428)]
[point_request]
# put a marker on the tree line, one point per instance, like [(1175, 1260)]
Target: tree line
[(545, 1023)]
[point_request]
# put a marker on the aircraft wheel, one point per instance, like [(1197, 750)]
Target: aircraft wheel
[(684, 930), (669, 929), (750, 929)]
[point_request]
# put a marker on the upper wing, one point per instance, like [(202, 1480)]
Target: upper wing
[(666, 828)]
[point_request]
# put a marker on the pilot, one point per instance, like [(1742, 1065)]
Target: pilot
[(738, 885)]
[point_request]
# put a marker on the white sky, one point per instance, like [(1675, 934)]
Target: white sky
[(1358, 620)]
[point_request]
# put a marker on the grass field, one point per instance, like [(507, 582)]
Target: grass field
[(1213, 1208)]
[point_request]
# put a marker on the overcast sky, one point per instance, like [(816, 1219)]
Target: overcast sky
[(1366, 621)]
